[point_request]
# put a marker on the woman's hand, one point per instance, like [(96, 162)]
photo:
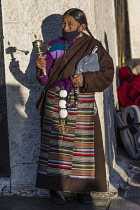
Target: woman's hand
[(77, 80), (41, 62)]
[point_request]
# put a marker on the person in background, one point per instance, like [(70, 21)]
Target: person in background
[(71, 154)]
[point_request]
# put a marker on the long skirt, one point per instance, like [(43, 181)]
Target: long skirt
[(72, 161)]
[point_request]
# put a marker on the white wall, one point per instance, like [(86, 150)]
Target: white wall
[(105, 31), (134, 18), (21, 21)]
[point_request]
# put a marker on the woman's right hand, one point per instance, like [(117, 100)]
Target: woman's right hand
[(41, 61)]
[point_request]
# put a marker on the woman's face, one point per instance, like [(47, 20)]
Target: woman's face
[(70, 24)]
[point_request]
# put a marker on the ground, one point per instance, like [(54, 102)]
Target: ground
[(43, 203)]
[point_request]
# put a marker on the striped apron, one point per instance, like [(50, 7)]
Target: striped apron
[(70, 155)]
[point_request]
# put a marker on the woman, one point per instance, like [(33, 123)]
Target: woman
[(71, 156)]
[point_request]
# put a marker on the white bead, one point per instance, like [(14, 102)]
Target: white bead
[(63, 93), (63, 113), (62, 104)]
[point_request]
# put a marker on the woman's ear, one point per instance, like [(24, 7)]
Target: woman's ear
[(82, 27)]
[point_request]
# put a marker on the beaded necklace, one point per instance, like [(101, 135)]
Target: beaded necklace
[(66, 47)]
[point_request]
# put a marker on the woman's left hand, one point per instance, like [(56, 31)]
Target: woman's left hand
[(77, 80)]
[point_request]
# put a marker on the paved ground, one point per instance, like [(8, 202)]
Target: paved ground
[(37, 203), (125, 204)]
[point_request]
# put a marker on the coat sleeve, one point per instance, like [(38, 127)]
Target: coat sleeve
[(99, 80)]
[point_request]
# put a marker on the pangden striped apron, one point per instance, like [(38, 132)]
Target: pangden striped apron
[(72, 154)]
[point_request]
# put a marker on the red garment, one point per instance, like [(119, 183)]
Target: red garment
[(137, 101), (125, 74), (129, 91)]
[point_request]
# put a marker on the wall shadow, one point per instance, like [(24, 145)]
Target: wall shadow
[(4, 137), (50, 29), (25, 122)]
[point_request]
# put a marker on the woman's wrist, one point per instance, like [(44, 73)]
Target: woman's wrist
[(38, 71)]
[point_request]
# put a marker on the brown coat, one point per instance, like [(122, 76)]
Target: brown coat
[(93, 82)]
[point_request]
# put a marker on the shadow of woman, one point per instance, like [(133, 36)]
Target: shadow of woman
[(50, 30), (29, 125)]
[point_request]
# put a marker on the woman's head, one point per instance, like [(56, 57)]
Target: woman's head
[(74, 21), (78, 15)]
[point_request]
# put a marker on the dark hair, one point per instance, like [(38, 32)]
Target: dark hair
[(79, 16)]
